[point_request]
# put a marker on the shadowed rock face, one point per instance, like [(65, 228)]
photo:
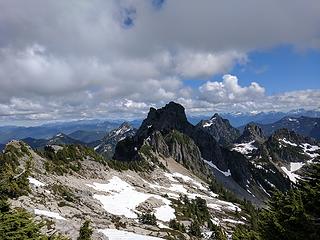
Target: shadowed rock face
[(286, 146), (252, 132), (220, 129), (165, 120), (106, 146)]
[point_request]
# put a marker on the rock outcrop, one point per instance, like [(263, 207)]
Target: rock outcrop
[(220, 129)]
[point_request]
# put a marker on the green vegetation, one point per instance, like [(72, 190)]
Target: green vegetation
[(64, 192), (194, 229), (177, 136), (17, 223), (68, 158), (218, 233), (294, 214), (196, 209), (85, 231), (13, 179), (146, 154), (175, 225), (224, 194), (148, 218), (146, 163)]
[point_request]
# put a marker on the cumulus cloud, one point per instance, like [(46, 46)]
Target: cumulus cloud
[(229, 90), (74, 59), (207, 64)]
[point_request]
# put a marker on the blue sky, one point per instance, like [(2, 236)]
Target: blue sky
[(279, 69), (282, 69)]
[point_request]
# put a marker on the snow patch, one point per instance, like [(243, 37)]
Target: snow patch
[(244, 148), (189, 179), (292, 176), (227, 174), (294, 166), (48, 214), (207, 124), (288, 142), (114, 234), (35, 182), (232, 221), (309, 150), (165, 213)]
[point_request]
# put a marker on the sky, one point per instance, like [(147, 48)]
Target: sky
[(78, 59)]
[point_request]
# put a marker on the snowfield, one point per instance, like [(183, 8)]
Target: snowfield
[(114, 234), (244, 148), (122, 199)]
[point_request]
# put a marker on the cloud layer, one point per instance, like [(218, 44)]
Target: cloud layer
[(75, 59)]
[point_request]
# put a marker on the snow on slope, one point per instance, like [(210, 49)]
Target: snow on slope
[(244, 148), (227, 174), (35, 182), (122, 199), (310, 150), (292, 176), (48, 214), (114, 234)]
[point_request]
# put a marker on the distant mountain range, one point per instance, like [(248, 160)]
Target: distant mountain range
[(93, 129), (59, 139), (306, 126), (240, 119)]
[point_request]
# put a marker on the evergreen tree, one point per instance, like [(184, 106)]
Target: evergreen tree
[(293, 215), (85, 231), (194, 229)]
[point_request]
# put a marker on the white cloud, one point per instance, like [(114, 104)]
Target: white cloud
[(229, 90), (207, 64), (69, 59)]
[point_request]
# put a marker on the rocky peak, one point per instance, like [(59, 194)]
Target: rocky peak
[(122, 129), (171, 116), (220, 129), (107, 145), (252, 132), (62, 139), (290, 136)]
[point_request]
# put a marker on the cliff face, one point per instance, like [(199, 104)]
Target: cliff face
[(170, 118), (252, 132), (220, 129)]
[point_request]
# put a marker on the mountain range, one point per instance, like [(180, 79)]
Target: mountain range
[(92, 130), (168, 179)]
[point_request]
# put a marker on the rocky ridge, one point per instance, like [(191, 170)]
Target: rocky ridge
[(100, 194)]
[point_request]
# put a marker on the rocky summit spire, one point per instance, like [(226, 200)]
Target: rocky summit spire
[(220, 129), (164, 120), (252, 132)]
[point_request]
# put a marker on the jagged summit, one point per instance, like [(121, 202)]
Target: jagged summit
[(220, 129), (252, 132), (106, 146), (164, 120), (171, 116), (289, 135)]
